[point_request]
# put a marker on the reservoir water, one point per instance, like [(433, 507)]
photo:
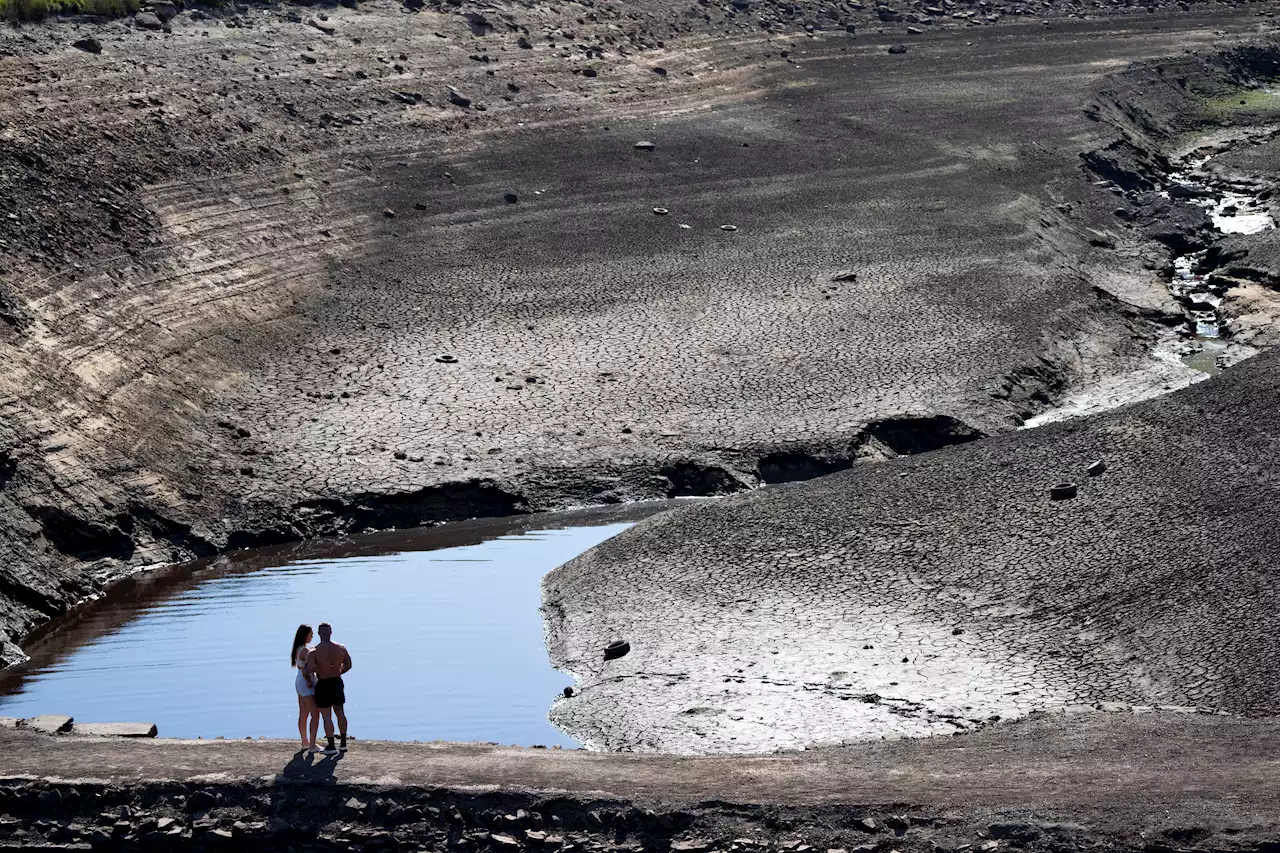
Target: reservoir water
[(443, 625)]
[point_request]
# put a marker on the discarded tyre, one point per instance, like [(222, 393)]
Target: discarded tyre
[(616, 649), (1063, 491), (1097, 469)]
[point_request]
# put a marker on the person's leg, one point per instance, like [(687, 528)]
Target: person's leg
[(327, 713), (342, 724), (313, 718), (303, 713)]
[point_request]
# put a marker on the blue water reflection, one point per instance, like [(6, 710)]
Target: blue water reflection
[(447, 644)]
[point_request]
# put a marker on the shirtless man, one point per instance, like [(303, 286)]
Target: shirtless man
[(328, 661)]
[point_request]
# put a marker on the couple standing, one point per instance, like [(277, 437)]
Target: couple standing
[(319, 685)]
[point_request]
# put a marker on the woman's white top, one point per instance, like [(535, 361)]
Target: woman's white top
[(300, 682)]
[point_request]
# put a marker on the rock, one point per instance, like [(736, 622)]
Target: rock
[(115, 729), (660, 71), (1097, 469), (589, 72), (887, 15), (1189, 191), (867, 825), (691, 845), (898, 49), (200, 801), (644, 145), (166, 12), (148, 21), (851, 29), (478, 23), (510, 198), (847, 275), (568, 693), (616, 649), (458, 99), (388, 213), (9, 722), (503, 840), (1063, 491), (914, 31), (326, 28), (49, 723), (88, 44), (524, 43)]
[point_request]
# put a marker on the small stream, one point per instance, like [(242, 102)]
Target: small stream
[(443, 625), (1232, 211)]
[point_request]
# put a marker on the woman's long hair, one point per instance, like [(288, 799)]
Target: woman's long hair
[(299, 640)]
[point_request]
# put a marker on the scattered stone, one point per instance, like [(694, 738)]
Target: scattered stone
[(524, 43), (590, 72), (511, 198), (88, 44), (1063, 491), (503, 840), (1097, 469), (644, 145), (898, 49), (389, 213), (868, 825), (616, 649), (458, 99), (49, 724), (660, 71), (326, 28), (115, 729), (691, 845), (9, 722), (915, 31), (568, 693)]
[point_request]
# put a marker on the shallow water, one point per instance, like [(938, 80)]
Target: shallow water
[(442, 623)]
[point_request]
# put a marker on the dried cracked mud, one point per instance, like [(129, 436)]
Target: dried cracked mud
[(275, 272)]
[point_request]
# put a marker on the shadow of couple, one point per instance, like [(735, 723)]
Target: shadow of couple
[(312, 766)]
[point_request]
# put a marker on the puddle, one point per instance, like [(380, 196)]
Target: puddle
[(443, 626)]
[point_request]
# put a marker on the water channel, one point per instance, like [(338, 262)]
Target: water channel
[(443, 625)]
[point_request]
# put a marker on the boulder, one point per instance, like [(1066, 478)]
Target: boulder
[(115, 729), (148, 21), (88, 44), (49, 723), (166, 12)]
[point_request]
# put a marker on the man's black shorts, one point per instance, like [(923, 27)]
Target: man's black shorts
[(330, 692)]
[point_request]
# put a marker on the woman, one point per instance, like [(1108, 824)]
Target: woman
[(305, 687)]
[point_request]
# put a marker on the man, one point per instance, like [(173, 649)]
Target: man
[(329, 661)]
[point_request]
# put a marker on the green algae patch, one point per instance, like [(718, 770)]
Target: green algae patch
[(1241, 106)]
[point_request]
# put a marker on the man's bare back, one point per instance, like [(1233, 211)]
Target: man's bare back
[(329, 659)]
